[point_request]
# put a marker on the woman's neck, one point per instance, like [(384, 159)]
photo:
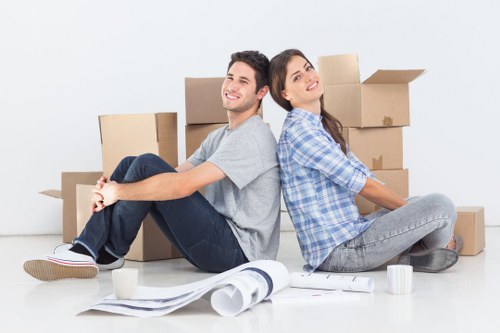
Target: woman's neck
[(314, 107)]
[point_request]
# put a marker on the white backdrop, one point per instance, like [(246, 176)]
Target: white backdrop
[(63, 63)]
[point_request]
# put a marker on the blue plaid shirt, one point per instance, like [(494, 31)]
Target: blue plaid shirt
[(319, 184)]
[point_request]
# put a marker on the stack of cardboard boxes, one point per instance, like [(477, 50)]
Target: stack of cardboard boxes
[(204, 110), (373, 113)]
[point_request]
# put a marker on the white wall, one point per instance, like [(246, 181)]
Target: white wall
[(63, 63)]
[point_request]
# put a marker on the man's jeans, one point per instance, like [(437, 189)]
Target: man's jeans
[(429, 218), (192, 225)]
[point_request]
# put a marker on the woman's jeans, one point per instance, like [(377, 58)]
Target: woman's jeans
[(191, 224), (429, 218)]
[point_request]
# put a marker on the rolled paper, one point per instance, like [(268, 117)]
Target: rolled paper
[(331, 282)]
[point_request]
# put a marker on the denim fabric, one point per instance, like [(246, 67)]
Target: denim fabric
[(429, 218), (192, 225)]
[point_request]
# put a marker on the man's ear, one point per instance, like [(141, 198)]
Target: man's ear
[(262, 92)]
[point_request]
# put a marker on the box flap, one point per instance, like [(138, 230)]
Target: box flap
[(394, 76), (339, 69), (52, 193)]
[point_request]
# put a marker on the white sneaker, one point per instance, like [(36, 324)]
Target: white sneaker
[(62, 248), (118, 263), (63, 265)]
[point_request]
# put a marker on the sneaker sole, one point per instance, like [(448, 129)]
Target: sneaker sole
[(435, 261), (48, 271), (114, 265)]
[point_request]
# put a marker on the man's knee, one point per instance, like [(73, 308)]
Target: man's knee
[(149, 159), (126, 161), (153, 163)]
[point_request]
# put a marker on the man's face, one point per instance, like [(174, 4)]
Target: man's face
[(238, 89)]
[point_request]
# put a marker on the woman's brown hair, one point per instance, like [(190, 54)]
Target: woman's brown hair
[(277, 77)]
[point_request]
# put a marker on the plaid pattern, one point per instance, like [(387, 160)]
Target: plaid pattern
[(319, 184)]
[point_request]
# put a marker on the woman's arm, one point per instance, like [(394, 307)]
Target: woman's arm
[(381, 195)]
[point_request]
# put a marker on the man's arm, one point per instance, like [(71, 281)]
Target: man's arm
[(164, 186), (381, 195), (185, 167)]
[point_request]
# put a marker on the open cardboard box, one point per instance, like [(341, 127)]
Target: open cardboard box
[(136, 134), (69, 180), (382, 100), (133, 135)]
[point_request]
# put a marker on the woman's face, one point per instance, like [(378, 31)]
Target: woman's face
[(302, 83)]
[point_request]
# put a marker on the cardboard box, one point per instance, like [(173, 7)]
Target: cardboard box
[(396, 180), (136, 134), (68, 195), (470, 227), (204, 101), (195, 134), (377, 148), (160, 247), (83, 205), (382, 100), (132, 135)]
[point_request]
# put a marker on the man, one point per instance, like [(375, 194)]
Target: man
[(238, 219)]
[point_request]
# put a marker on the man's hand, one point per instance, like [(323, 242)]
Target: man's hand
[(108, 193), (97, 199)]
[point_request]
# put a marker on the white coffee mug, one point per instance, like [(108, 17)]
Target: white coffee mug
[(125, 282), (399, 279)]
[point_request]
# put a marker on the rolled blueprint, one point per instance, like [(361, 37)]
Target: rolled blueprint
[(331, 282), (248, 287)]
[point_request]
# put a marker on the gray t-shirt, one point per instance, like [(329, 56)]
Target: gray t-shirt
[(249, 195)]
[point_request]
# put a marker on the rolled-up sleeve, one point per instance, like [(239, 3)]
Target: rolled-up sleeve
[(311, 148)]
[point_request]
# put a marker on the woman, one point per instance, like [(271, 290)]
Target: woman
[(320, 178)]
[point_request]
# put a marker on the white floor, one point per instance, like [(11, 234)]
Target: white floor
[(466, 298)]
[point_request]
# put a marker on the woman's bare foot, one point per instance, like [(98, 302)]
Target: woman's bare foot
[(452, 244), (455, 243)]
